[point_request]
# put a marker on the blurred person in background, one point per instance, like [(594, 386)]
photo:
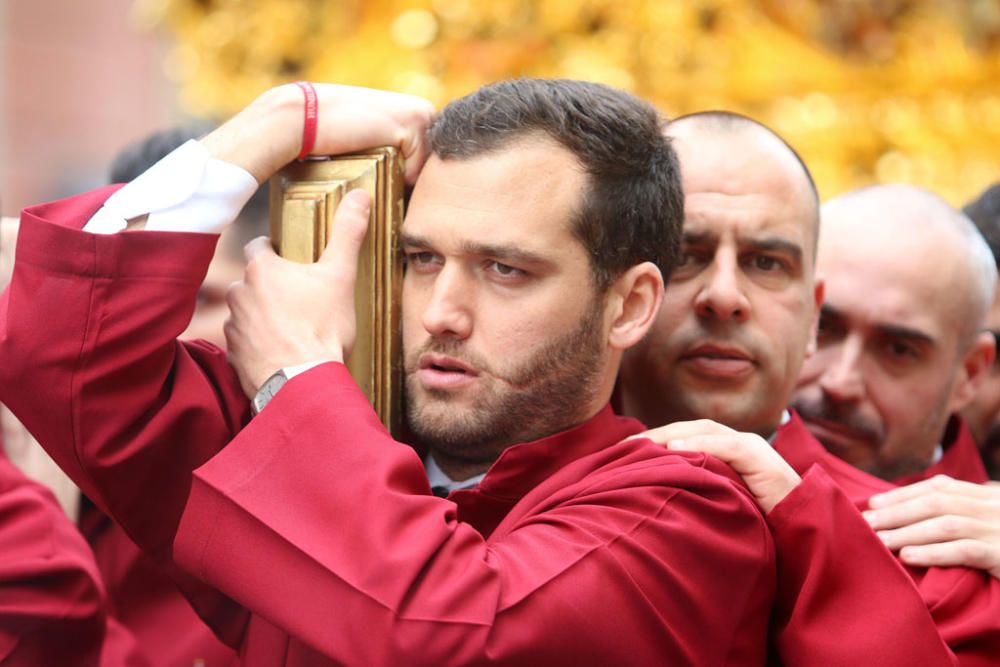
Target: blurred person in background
[(982, 412), (900, 347)]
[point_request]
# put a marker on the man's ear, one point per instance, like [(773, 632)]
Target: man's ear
[(633, 301), (818, 292), (971, 370)]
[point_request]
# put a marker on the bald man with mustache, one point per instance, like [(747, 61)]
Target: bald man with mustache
[(901, 352)]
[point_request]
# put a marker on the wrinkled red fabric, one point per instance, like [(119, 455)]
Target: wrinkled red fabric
[(964, 603), (145, 600), (52, 602)]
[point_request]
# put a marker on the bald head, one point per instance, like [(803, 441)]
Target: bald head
[(931, 242), (738, 144), (909, 281), (738, 314)]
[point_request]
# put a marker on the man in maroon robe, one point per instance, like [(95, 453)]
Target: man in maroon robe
[(316, 535), (736, 324)]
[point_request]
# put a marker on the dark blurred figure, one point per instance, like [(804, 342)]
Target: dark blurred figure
[(982, 413)]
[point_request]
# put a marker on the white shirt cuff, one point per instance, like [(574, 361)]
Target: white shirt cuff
[(292, 371), (187, 191)]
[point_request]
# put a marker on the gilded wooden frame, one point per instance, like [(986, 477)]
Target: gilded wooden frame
[(303, 198)]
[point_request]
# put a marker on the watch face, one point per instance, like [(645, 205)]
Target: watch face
[(268, 390)]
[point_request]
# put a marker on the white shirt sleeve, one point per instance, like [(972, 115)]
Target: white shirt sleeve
[(187, 191)]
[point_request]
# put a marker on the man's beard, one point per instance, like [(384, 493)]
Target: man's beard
[(543, 394), (847, 415)]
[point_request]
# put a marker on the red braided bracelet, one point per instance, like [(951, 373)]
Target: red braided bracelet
[(311, 113)]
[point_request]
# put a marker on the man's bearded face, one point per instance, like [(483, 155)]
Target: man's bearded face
[(504, 332), (506, 401)]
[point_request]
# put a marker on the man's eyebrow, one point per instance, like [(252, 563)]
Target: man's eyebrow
[(906, 333), (507, 253), (765, 244), (497, 251), (775, 244), (887, 330), (413, 241)]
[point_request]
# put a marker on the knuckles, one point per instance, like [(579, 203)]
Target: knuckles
[(941, 482), (952, 527)]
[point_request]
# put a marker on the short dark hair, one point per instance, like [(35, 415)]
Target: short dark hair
[(984, 210), (633, 210)]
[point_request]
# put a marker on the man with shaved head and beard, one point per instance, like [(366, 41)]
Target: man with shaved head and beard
[(909, 281), (737, 321), (901, 349)]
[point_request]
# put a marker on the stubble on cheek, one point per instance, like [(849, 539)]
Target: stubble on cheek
[(540, 395)]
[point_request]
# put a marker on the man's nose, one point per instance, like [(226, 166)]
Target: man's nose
[(723, 296), (448, 312), (842, 380)]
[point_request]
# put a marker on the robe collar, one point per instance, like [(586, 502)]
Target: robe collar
[(798, 446), (522, 467)]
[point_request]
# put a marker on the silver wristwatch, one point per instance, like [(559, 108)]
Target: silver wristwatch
[(268, 390)]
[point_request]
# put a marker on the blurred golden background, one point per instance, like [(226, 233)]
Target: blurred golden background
[(894, 90), (867, 91)]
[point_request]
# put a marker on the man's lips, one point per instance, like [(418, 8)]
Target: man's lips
[(439, 371), (719, 361)]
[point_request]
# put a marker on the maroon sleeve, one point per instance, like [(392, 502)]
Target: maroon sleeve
[(644, 560), (965, 604), (843, 599), (49, 581), (89, 322), (92, 368)]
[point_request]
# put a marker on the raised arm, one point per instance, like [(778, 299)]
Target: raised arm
[(89, 322)]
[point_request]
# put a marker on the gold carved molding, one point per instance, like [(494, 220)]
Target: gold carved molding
[(303, 198)]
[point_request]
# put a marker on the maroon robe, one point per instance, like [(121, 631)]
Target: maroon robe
[(965, 603), (52, 606), (960, 459), (316, 533), (843, 606), (144, 599)]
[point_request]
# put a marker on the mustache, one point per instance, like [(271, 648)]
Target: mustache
[(823, 409), (447, 346)]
